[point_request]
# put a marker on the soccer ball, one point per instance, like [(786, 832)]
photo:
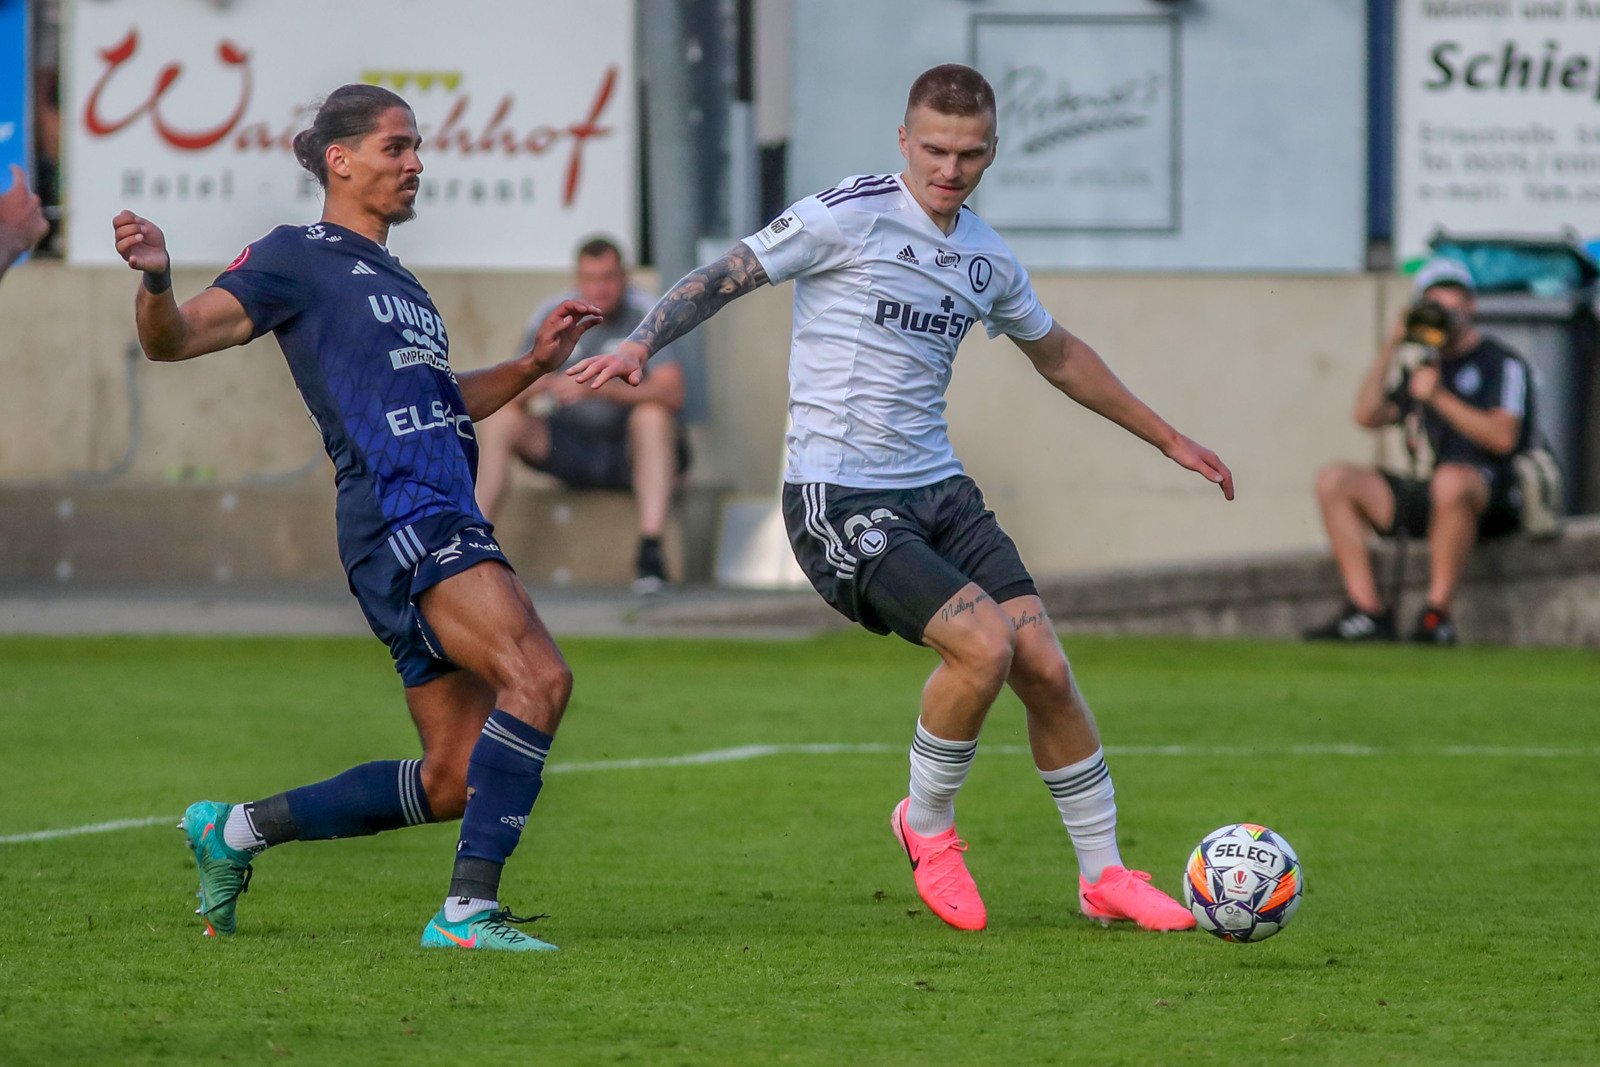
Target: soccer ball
[(1243, 883)]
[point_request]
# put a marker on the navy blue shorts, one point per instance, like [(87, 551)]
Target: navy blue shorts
[(388, 582)]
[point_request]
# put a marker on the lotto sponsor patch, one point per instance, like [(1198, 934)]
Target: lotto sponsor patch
[(780, 230)]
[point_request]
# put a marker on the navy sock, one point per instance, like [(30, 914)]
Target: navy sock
[(365, 800), (504, 777)]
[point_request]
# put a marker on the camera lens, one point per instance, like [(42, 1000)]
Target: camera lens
[(1429, 323)]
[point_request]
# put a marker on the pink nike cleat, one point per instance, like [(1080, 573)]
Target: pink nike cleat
[(941, 874), (1121, 894)]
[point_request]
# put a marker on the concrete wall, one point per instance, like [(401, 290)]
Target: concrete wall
[(1263, 369), (63, 335)]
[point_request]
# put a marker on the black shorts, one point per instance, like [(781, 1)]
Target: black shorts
[(388, 582), (1412, 507), (584, 457), (891, 558)]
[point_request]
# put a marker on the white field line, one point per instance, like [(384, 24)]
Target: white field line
[(92, 828), (750, 752)]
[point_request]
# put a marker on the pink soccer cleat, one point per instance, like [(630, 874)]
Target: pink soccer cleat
[(941, 874), (1121, 894)]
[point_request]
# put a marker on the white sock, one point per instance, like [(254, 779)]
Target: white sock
[(458, 908), (1088, 808), (938, 767), (240, 833)]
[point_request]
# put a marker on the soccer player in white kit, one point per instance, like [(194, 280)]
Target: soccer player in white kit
[(891, 273)]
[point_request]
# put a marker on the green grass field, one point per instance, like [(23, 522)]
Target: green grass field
[(759, 911)]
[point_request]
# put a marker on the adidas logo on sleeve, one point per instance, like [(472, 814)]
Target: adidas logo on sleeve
[(362, 268)]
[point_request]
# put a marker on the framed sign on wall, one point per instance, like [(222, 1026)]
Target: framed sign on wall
[(1090, 108)]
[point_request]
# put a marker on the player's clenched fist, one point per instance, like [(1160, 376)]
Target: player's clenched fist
[(141, 243)]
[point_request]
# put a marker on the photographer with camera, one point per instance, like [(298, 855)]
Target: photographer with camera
[(1471, 396)]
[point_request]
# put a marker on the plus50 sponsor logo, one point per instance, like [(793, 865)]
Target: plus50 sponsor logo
[(404, 422), (909, 319)]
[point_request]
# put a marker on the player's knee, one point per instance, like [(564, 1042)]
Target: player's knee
[(532, 682), (986, 654), (444, 779), (1041, 671), (542, 681)]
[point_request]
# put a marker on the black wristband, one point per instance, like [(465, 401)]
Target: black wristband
[(158, 282)]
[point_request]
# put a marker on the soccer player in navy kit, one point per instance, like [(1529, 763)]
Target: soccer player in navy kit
[(891, 272), (485, 684)]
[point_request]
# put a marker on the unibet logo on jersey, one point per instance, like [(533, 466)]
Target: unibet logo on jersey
[(907, 318)]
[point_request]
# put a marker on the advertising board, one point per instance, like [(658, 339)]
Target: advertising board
[(184, 112), (1497, 119)]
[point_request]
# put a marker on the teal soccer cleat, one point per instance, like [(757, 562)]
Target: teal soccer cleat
[(224, 872), (484, 929)]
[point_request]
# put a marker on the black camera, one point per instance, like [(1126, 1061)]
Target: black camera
[(1430, 323)]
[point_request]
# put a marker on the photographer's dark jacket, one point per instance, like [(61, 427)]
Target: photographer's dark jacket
[(1488, 377)]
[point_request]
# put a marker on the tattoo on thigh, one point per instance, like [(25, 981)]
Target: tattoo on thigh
[(1030, 618), (960, 606)]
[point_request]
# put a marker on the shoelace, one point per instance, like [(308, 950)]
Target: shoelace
[(497, 922), (946, 868)]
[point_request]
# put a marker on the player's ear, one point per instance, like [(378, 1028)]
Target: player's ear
[(338, 159), (903, 154)]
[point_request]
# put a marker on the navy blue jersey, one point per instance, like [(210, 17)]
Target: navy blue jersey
[(369, 353)]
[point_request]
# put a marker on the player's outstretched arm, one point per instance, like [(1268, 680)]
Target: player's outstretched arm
[(212, 321), (699, 295), (1078, 371), (487, 391)]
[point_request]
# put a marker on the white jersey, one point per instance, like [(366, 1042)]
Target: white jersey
[(882, 299)]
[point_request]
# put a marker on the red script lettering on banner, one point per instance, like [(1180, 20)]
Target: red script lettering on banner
[(453, 135)]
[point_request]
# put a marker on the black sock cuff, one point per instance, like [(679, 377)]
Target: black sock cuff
[(476, 878), (273, 821)]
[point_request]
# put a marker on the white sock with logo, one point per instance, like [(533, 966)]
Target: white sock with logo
[(1088, 806), (938, 767), (458, 908), (240, 833)]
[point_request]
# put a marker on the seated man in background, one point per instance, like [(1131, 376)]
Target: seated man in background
[(1472, 397), (620, 437)]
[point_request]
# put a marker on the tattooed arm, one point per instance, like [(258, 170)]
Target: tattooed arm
[(698, 296)]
